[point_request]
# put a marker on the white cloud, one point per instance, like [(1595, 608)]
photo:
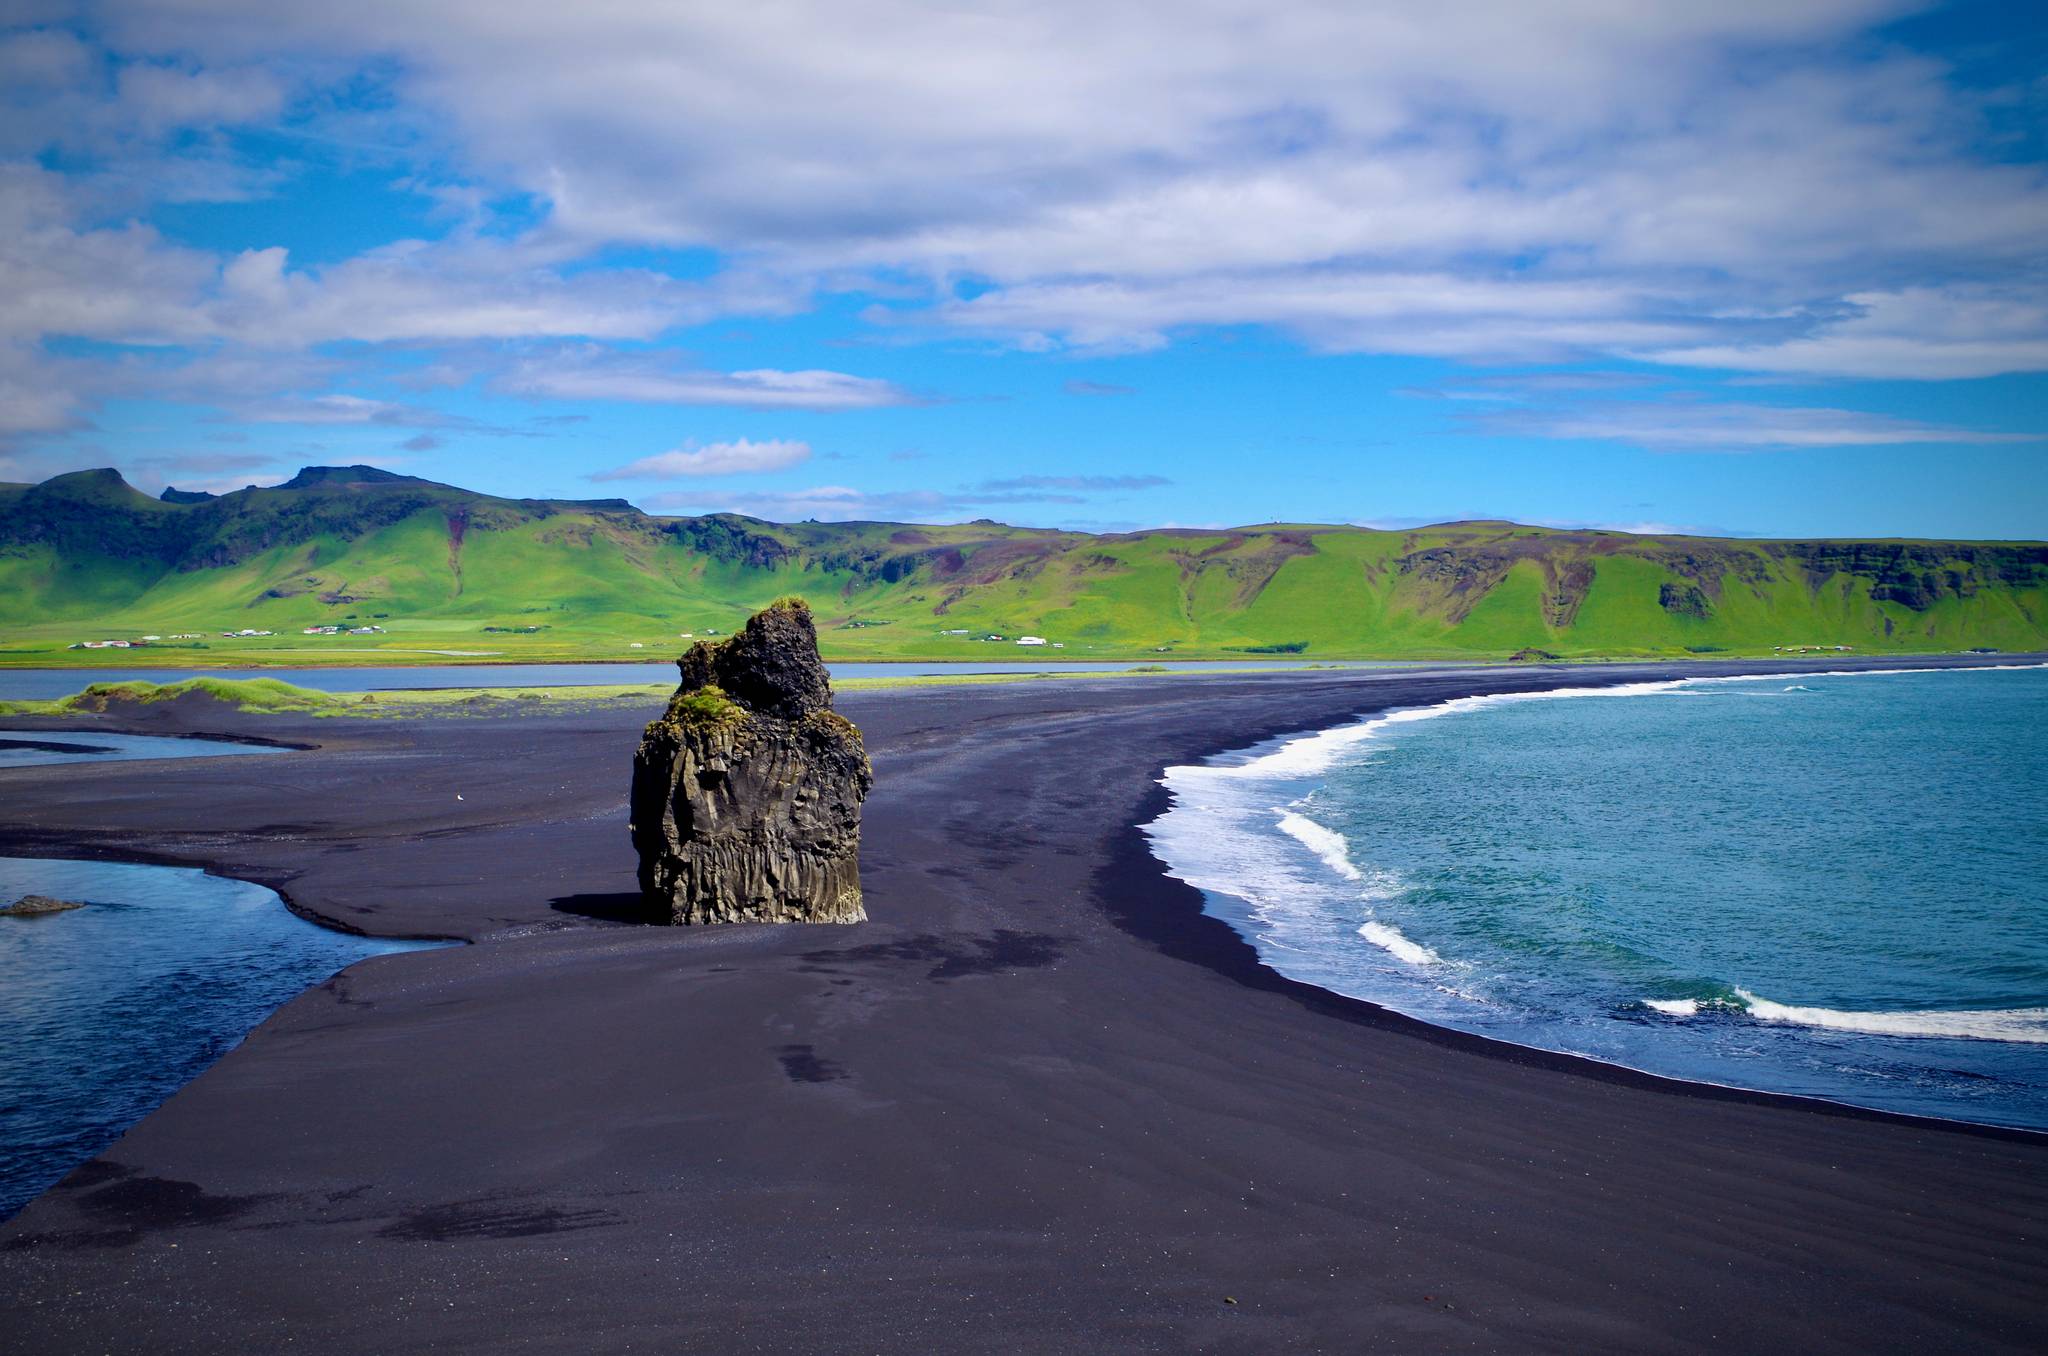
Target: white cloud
[(1917, 334), (106, 283), (1699, 426), (130, 285), (163, 97), (42, 394), (829, 503), (713, 459), (1497, 317), (43, 61), (844, 503), (590, 375), (463, 290), (343, 409)]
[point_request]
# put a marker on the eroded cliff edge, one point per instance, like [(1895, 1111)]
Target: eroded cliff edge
[(747, 792)]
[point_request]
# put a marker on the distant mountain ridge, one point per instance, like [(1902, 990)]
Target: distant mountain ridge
[(335, 542)]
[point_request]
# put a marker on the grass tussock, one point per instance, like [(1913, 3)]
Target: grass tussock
[(264, 695)]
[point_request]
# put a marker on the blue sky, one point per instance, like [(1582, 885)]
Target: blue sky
[(1771, 268)]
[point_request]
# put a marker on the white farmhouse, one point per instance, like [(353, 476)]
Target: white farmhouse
[(1031, 640)]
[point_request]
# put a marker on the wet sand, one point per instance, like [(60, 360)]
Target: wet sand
[(1039, 1102)]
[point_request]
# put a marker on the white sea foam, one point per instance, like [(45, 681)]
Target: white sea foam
[(1326, 843), (1388, 938), (2026, 1025)]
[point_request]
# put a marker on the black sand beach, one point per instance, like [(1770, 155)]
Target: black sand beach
[(1040, 1102)]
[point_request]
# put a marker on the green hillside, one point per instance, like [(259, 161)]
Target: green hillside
[(445, 574)]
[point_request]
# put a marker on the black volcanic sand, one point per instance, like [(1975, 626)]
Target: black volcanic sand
[(1041, 1102)]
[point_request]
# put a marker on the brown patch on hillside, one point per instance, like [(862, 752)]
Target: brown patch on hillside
[(1566, 584), (1706, 566), (1449, 581), (1250, 559), (458, 527), (990, 563)]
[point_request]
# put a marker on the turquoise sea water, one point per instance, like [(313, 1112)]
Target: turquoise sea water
[(107, 1010), (1828, 885)]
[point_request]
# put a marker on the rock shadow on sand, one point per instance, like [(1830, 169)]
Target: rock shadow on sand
[(620, 907)]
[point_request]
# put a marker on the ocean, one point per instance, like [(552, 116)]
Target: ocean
[(1834, 886)]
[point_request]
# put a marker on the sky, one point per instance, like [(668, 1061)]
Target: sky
[(1760, 267)]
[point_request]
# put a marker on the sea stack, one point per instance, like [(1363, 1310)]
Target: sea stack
[(747, 792)]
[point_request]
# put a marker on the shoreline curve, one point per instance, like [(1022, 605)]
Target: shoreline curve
[(1043, 1093)]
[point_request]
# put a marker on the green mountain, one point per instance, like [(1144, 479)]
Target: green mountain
[(447, 573)]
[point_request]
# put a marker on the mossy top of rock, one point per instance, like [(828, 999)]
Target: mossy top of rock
[(706, 710), (769, 666)]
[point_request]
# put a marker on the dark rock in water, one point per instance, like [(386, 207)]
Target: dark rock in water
[(28, 906), (747, 792)]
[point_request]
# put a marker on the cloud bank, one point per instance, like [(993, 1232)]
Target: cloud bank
[(1749, 187)]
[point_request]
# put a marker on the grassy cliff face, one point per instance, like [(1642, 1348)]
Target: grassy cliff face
[(448, 574)]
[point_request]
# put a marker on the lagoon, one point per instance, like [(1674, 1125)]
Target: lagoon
[(47, 684), (107, 1010)]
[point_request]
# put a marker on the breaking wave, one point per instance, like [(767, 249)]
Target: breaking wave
[(1389, 939), (2026, 1025), (1327, 844)]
